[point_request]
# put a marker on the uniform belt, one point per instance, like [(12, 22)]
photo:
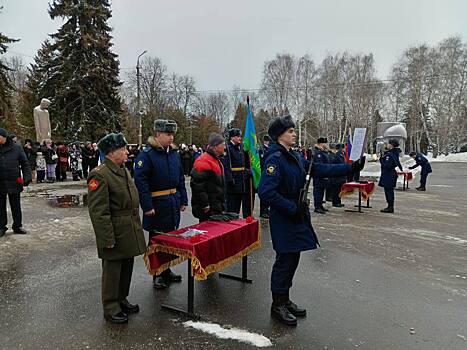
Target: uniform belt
[(237, 169), (163, 192), (125, 212)]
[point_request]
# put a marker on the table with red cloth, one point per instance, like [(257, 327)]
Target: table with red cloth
[(408, 176), (365, 190), (223, 244)]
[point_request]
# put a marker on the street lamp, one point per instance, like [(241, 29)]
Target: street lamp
[(140, 134)]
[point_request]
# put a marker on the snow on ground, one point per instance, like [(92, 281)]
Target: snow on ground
[(454, 157), (255, 339)]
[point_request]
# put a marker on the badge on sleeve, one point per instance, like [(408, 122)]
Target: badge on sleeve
[(140, 163), (93, 185), (271, 169)]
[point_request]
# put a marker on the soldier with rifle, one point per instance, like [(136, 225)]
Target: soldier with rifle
[(284, 188)]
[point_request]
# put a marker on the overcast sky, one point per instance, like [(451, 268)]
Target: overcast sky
[(225, 43)]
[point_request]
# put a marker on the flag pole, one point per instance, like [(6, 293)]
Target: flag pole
[(250, 175)]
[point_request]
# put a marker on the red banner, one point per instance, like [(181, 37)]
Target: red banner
[(222, 244), (407, 174), (366, 189)]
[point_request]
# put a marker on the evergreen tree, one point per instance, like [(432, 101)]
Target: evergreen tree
[(78, 71), (5, 84)]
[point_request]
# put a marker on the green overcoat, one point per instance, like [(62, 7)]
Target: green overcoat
[(114, 210)]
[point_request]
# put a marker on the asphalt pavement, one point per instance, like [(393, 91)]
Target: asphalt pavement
[(379, 281)]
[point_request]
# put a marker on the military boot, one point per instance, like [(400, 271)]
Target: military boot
[(280, 311), (319, 211), (170, 277), (158, 282), (389, 209), (421, 188), (294, 308)]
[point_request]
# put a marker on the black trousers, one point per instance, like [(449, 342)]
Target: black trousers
[(318, 196), (236, 200), (389, 194), (283, 271), (423, 180), (15, 205), (116, 280)]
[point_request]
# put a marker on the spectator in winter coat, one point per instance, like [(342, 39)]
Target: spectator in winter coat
[(41, 167), (207, 180), (62, 153), (15, 173), (50, 156), (31, 153)]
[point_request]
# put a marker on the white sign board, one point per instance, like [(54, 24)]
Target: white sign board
[(358, 143)]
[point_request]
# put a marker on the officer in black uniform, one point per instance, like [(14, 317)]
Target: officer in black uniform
[(336, 157), (290, 222), (236, 169), (320, 156), (263, 150), (422, 162)]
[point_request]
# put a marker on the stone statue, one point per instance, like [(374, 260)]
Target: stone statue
[(42, 121)]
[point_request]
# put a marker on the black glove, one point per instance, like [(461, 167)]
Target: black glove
[(358, 165), (26, 183), (302, 211)]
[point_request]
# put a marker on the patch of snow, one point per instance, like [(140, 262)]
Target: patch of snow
[(454, 157), (255, 339)]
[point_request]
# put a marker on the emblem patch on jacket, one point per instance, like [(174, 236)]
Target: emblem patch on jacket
[(140, 163), (93, 185), (271, 169)]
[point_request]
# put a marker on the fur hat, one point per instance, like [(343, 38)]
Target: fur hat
[(164, 125), (111, 142), (215, 139), (322, 140), (280, 125), (3, 132), (235, 132), (394, 142)]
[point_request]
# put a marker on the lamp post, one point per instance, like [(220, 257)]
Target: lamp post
[(138, 108)]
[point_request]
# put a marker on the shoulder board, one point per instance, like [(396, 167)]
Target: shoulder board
[(99, 167), (147, 149), (277, 154)]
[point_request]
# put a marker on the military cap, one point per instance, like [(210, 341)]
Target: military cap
[(164, 125), (111, 142), (412, 153), (280, 125), (394, 142), (322, 140), (235, 132)]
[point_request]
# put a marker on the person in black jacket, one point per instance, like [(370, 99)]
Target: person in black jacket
[(207, 180), (31, 153), (388, 180), (15, 173), (421, 161)]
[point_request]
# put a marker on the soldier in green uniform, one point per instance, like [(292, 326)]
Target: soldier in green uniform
[(114, 210)]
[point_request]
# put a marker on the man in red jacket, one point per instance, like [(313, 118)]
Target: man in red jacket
[(207, 180)]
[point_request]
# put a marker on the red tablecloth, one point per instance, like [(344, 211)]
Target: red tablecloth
[(407, 174), (222, 244), (366, 189)]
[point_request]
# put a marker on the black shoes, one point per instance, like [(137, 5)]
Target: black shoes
[(20, 231), (2, 233), (340, 205), (421, 188), (294, 309), (158, 283), (320, 211), (280, 312), (387, 210), (118, 318), (170, 277), (323, 208), (128, 308)]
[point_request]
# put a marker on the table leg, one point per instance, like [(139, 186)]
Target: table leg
[(191, 297), (368, 203), (359, 206), (244, 277)]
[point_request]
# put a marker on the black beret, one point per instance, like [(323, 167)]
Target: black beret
[(164, 125), (3, 132), (280, 125), (394, 142), (322, 140), (235, 132), (266, 138), (412, 153), (111, 142)]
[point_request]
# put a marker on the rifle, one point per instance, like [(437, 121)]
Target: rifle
[(302, 197)]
